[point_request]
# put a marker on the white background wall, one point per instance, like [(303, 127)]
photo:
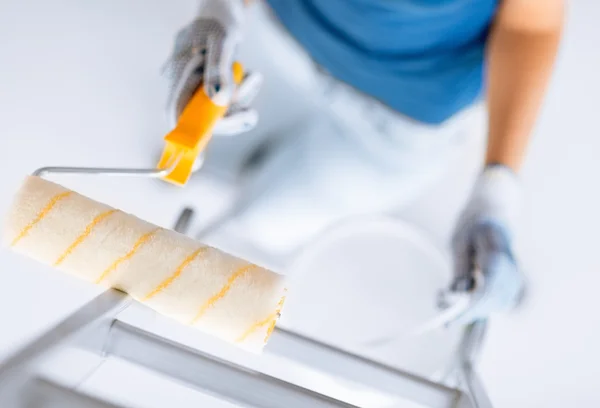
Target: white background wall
[(79, 85)]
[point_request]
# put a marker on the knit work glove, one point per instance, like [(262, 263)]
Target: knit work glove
[(484, 264), (203, 55)]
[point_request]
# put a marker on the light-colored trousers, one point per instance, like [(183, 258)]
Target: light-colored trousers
[(350, 155)]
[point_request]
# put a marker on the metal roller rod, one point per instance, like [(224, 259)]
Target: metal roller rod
[(109, 171), (227, 380), (103, 171)]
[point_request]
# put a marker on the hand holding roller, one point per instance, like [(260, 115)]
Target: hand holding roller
[(193, 131)]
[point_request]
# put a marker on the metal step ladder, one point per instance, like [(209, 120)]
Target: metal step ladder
[(96, 327)]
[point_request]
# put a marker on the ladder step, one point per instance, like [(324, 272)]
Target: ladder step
[(339, 363), (228, 380)]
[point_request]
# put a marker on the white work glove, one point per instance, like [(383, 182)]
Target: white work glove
[(485, 268), (203, 56)]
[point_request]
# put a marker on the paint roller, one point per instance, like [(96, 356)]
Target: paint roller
[(171, 273)]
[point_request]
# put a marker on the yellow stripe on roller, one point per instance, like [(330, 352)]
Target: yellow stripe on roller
[(256, 326), (164, 284), (86, 233), (141, 240), (237, 274), (277, 314), (47, 208), (271, 320)]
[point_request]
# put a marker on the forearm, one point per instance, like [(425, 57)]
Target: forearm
[(521, 52)]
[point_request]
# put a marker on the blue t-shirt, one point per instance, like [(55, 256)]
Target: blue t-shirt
[(423, 58)]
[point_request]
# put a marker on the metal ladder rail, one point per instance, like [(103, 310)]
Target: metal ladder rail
[(112, 337), (95, 327)]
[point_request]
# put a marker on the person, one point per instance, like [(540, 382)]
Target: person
[(404, 80)]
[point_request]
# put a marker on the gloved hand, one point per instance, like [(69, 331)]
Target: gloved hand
[(484, 263), (203, 56)]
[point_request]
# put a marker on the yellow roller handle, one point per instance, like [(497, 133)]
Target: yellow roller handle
[(193, 132)]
